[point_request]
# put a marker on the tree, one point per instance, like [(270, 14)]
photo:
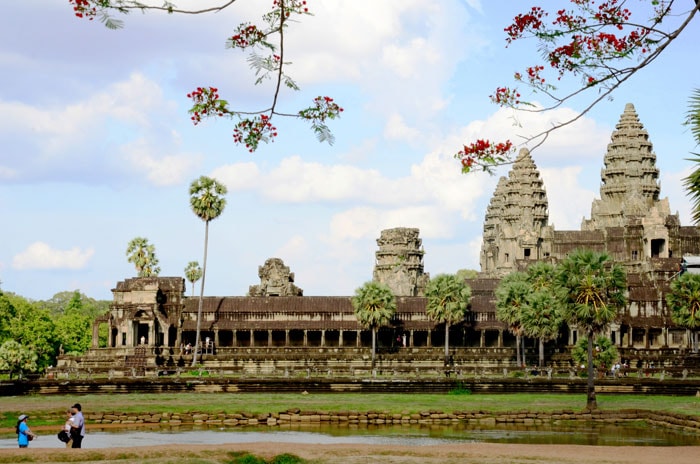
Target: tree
[(692, 182), (374, 305), (541, 315), (73, 327), (594, 292), (511, 296), (32, 327), (143, 255), (253, 126), (193, 272), (604, 354), (17, 359), (448, 302), (684, 303), (207, 202), (592, 41)]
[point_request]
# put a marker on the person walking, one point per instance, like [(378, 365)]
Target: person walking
[(24, 434), (68, 427), (78, 427)]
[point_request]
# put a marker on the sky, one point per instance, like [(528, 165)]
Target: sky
[(97, 147)]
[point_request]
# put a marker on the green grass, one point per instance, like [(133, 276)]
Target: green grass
[(48, 409)]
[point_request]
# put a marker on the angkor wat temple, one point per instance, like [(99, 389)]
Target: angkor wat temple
[(275, 327)]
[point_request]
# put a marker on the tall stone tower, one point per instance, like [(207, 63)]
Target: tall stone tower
[(399, 262), (629, 190), (515, 226)]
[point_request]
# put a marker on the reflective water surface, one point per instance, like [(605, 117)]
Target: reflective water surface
[(629, 434)]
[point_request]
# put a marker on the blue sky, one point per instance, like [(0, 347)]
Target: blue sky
[(97, 147)]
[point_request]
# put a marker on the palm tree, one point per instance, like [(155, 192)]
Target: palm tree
[(593, 294), (143, 255), (207, 202), (692, 182), (511, 296), (541, 316), (684, 303), (448, 302), (374, 305), (193, 272)]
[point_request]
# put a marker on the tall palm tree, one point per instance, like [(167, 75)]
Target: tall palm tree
[(511, 296), (541, 315), (193, 272), (593, 294), (684, 303), (207, 202), (374, 305), (143, 255), (448, 302), (692, 182)]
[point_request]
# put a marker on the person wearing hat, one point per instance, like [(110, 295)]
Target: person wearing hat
[(24, 435), (78, 428)]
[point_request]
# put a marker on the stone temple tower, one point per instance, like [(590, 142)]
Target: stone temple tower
[(629, 190), (515, 226), (399, 262)]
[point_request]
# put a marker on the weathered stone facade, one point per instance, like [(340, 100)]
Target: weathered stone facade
[(275, 280), (399, 262), (628, 221)]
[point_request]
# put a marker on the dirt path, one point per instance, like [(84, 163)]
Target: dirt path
[(482, 453)]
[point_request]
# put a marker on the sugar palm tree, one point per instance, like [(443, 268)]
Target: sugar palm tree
[(207, 202), (448, 302), (511, 296), (593, 294), (193, 272), (374, 305), (143, 255), (541, 315), (684, 303), (692, 182)]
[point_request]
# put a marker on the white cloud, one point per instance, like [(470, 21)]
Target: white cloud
[(160, 171), (40, 255), (568, 201)]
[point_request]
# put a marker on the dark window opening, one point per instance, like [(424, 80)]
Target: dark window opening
[(527, 253), (657, 247)]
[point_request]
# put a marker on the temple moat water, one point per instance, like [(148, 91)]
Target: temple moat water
[(631, 434)]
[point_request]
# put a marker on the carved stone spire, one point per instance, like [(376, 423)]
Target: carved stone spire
[(515, 227), (399, 262), (629, 180)]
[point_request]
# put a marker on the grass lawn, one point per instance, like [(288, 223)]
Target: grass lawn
[(48, 409)]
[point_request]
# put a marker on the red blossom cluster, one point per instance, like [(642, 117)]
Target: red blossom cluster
[(206, 102), (505, 96), (83, 9), (486, 151), (523, 23), (252, 131), (246, 35), (322, 109)]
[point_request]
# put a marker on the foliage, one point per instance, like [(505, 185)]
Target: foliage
[(692, 182), (207, 202), (17, 359), (594, 42), (73, 327), (193, 272), (684, 302), (604, 353), (265, 44), (143, 256), (32, 327), (58, 304), (593, 294), (464, 274), (511, 296), (374, 304), (448, 301)]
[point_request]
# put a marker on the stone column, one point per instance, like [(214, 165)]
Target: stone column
[(340, 338), (96, 335), (151, 334), (286, 337), (357, 340), (410, 339), (269, 338), (234, 340), (482, 338), (323, 337), (306, 337), (664, 333), (429, 341), (216, 337), (252, 338), (500, 338)]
